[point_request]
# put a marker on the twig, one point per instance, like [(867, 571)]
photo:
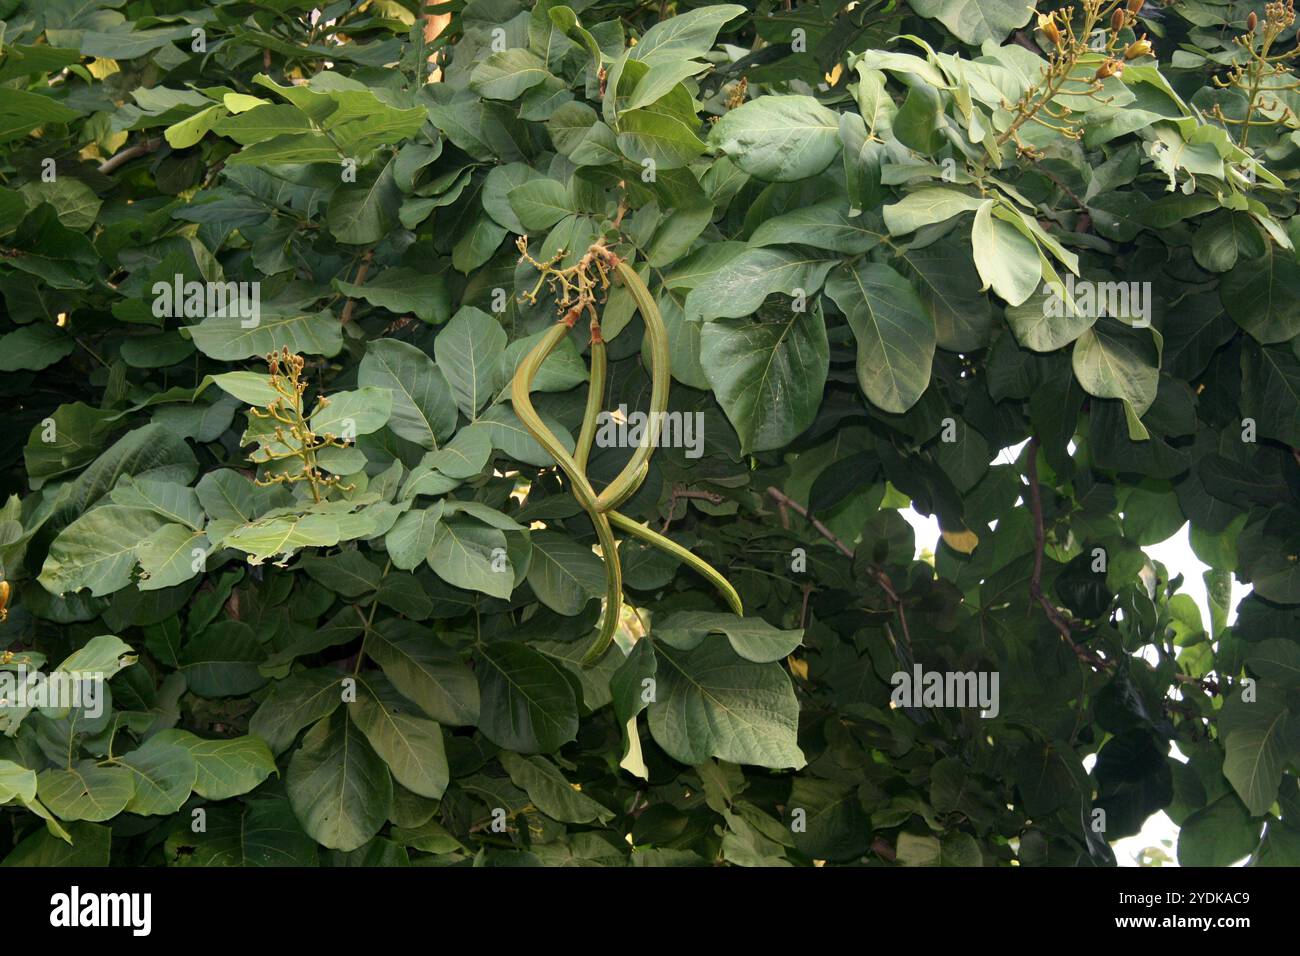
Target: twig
[(124, 156), (785, 501), (1207, 684), (681, 492), (1036, 577), (878, 573), (359, 280)]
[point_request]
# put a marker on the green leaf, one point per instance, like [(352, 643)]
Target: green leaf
[(1259, 738), (468, 555), (768, 375), (229, 338), (976, 21), (779, 138), (564, 574), (363, 212), (349, 414), (164, 773), (751, 637), (551, 793), (91, 846), (824, 225), (1113, 360), (1270, 391), (928, 205), (411, 537), (468, 351), (527, 703), (894, 332), (97, 551), (424, 410), (711, 703), (1006, 258), (426, 671), (402, 290), (410, 743), (16, 782), (540, 204), (251, 388), (339, 788), (349, 573), (1260, 294), (506, 75), (222, 661), (1221, 834), (228, 767), (86, 791), (34, 347), (101, 656), (687, 35), (294, 703)]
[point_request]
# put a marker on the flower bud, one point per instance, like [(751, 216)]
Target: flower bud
[(1251, 21), (1134, 6), (1047, 23), (1138, 48), (1117, 20), (1108, 69)]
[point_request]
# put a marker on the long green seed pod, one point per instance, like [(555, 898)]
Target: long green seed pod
[(630, 478), (639, 530), (520, 386), (595, 400)]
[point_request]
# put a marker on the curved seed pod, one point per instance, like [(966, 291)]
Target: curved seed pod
[(595, 396), (639, 530), (629, 479), (520, 386)]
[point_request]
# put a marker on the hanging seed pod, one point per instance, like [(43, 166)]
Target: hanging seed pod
[(1117, 20), (1047, 23), (1138, 48)]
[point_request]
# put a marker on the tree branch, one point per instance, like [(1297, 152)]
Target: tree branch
[(124, 156), (360, 279), (1036, 577), (878, 574)]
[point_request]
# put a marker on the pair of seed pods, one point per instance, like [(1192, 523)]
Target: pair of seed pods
[(601, 507)]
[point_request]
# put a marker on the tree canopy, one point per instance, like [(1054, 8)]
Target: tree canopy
[(300, 462)]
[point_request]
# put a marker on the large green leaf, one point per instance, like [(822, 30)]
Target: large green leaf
[(975, 21), (339, 788), (894, 332), (768, 374), (779, 138), (410, 743), (711, 703), (426, 671), (468, 351), (527, 703), (424, 410)]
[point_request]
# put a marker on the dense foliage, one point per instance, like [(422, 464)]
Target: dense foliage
[(1034, 275)]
